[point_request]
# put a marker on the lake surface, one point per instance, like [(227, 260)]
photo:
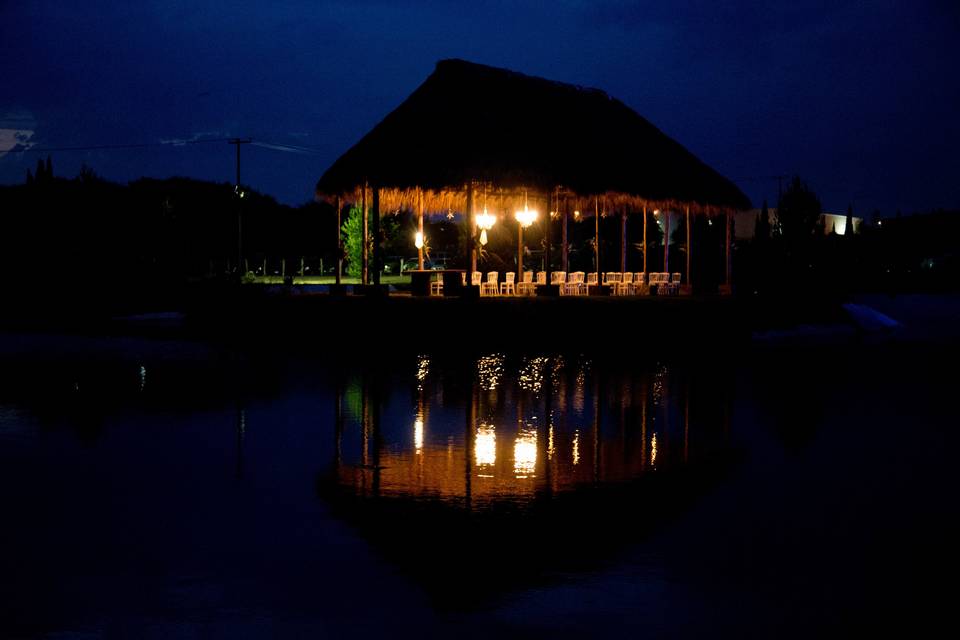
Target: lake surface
[(162, 488)]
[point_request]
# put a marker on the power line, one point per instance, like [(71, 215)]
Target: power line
[(140, 145), (275, 146)]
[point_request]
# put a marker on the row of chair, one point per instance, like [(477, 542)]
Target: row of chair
[(571, 284), (628, 283)]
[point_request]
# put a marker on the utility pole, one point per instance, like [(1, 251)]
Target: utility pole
[(239, 193)]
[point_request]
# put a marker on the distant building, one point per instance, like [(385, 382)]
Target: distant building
[(746, 222)]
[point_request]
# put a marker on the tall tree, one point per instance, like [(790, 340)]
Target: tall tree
[(761, 231), (798, 213), (353, 243)]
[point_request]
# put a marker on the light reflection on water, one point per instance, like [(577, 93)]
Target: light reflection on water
[(467, 480), (424, 450), (517, 427)]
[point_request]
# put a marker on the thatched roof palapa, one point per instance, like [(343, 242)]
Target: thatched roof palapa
[(516, 136)]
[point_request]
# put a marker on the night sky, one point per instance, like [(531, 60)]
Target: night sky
[(859, 98)]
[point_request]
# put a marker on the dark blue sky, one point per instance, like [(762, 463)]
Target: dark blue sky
[(859, 98)]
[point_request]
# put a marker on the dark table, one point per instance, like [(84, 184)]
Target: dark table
[(420, 281)]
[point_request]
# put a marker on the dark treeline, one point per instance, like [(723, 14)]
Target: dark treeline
[(792, 253), (91, 243), (146, 240)]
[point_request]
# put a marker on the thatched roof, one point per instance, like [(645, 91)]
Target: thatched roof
[(510, 133)]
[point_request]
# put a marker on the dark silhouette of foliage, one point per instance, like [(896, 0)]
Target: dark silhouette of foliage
[(798, 212), (762, 229)]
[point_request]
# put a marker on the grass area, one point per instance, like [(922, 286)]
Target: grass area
[(384, 279)]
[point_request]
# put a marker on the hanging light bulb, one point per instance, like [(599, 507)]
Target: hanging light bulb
[(486, 220), (526, 216), (418, 240), (483, 236)]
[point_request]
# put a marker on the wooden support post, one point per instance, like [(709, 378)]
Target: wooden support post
[(596, 237), (623, 241), (471, 232), (365, 239), (339, 244), (283, 267), (420, 227), (547, 223), (565, 214), (264, 267), (666, 241), (376, 236), (520, 247), (689, 249), (645, 273), (301, 266)]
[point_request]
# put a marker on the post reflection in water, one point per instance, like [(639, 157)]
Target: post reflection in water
[(485, 449), (524, 432), (525, 452)]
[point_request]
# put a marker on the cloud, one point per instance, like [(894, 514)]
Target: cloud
[(17, 128)]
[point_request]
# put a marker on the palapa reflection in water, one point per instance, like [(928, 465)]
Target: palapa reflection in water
[(517, 428)]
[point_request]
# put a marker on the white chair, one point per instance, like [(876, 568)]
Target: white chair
[(568, 283), (625, 286), (436, 286), (558, 279), (526, 288), (662, 282), (674, 283), (490, 286), (541, 277), (574, 283), (506, 287), (591, 281), (640, 283), (476, 279), (653, 282)]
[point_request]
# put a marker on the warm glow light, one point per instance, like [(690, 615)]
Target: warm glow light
[(526, 216), (656, 212), (576, 214), (418, 434), (489, 371), (653, 450), (418, 240), (486, 220), (525, 453), (483, 236), (485, 445), (576, 446), (532, 372), (423, 367)]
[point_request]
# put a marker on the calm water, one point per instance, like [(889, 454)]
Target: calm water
[(176, 489)]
